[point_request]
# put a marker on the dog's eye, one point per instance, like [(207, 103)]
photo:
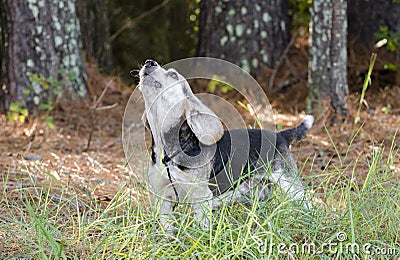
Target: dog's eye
[(173, 74), (157, 84)]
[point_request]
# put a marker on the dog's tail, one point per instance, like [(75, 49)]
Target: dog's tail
[(299, 132)]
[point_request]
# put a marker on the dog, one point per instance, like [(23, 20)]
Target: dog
[(194, 160)]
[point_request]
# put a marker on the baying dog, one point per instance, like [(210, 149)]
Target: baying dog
[(194, 160)]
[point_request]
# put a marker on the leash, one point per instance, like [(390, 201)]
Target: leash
[(165, 160)]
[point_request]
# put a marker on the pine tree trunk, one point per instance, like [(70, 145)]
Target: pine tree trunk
[(250, 33), (328, 73), (3, 41), (43, 40), (95, 32)]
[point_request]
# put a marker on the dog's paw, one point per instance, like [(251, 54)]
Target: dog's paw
[(205, 223), (167, 226), (308, 121)]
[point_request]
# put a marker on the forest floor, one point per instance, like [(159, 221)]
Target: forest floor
[(32, 153)]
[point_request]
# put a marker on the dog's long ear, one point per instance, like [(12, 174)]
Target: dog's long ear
[(203, 122)]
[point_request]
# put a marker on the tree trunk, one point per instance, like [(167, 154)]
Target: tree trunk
[(95, 33), (3, 41), (327, 69), (250, 33), (366, 17), (43, 52)]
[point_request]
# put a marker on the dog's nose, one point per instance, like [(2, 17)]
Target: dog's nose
[(150, 63), (149, 67)]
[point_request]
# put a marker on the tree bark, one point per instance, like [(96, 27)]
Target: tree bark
[(43, 39), (3, 41), (250, 33), (95, 32), (327, 68)]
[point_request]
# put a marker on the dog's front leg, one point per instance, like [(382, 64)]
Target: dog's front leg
[(203, 207), (166, 208), (163, 194)]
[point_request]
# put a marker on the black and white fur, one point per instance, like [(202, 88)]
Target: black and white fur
[(191, 150)]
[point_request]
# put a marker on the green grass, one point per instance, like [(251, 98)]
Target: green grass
[(52, 221)]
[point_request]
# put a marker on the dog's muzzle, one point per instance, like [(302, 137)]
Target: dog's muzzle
[(149, 67)]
